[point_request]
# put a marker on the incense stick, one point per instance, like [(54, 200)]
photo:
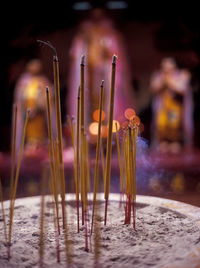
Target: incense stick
[(51, 156), (59, 137), (13, 148), (82, 129), (58, 123), (77, 156), (109, 139), (103, 161), (119, 158), (96, 172), (55, 220), (12, 201)]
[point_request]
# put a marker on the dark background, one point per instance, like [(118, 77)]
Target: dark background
[(150, 31)]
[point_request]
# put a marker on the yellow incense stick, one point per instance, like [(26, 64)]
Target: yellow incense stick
[(96, 172), (125, 140), (103, 161), (13, 148), (82, 129), (119, 157), (51, 156), (109, 139), (12, 201), (134, 138), (84, 172), (59, 137), (77, 156), (87, 165), (131, 161)]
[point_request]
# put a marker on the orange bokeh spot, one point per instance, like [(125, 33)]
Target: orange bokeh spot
[(129, 113), (95, 115)]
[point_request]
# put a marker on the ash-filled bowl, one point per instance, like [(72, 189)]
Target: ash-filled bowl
[(167, 235)]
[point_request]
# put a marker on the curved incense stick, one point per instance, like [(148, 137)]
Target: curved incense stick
[(58, 123), (48, 43)]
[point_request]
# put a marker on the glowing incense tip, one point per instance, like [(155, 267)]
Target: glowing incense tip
[(83, 60), (102, 83), (114, 59)]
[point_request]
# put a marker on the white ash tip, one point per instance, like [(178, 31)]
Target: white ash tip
[(83, 59), (114, 59)]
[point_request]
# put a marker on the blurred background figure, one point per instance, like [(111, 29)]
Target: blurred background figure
[(30, 93), (172, 125), (98, 40)]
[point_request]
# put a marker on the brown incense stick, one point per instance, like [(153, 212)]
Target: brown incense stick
[(82, 91), (82, 129), (109, 139), (12, 201), (77, 156), (96, 172)]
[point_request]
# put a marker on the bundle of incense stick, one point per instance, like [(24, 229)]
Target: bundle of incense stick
[(126, 156), (129, 145)]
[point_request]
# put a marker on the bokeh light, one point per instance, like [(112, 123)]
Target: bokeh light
[(95, 115), (93, 128), (129, 113)]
